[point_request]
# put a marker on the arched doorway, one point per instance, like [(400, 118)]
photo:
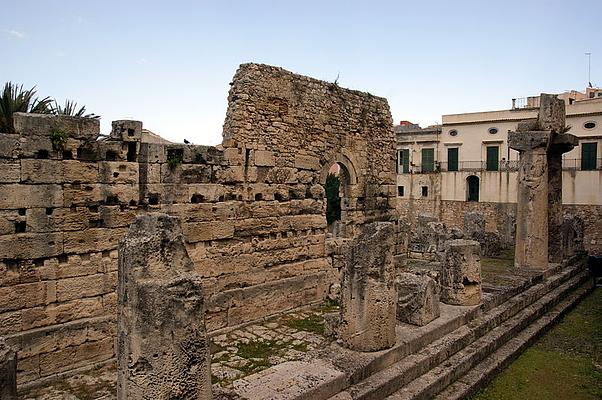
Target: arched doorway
[(472, 188), (336, 188)]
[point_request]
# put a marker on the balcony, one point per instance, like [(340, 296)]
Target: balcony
[(525, 102), (481, 165), (576, 164), (573, 164)]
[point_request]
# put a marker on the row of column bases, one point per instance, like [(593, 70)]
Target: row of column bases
[(162, 346)]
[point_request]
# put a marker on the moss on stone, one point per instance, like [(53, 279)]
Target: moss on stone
[(314, 323)]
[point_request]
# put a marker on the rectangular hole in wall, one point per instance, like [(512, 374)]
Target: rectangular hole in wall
[(131, 155), (400, 190), (424, 191)]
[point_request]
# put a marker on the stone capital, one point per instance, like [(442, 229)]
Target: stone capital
[(525, 141)]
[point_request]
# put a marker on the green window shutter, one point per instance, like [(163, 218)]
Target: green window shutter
[(428, 160), (588, 156), (493, 157), (452, 159), (405, 160)]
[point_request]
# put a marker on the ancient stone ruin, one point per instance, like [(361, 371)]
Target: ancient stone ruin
[(163, 350), (541, 144), (417, 298), (368, 298), (461, 273), (118, 251)]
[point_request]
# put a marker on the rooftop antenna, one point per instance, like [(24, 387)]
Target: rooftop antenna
[(589, 68)]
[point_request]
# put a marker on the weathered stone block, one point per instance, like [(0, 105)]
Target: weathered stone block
[(210, 230), (10, 171), (117, 172), (27, 295), (9, 145), (92, 240), (162, 344), (41, 171), (474, 222), (43, 124), (16, 196), (80, 171), (307, 162), (417, 299), (31, 245), (460, 276), (264, 158), (368, 295), (152, 153), (126, 130)]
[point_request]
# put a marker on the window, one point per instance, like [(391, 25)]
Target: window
[(403, 161), (452, 159), (589, 125), (472, 192), (492, 131), (493, 156), (588, 156), (453, 132), (400, 191), (425, 191), (428, 160)]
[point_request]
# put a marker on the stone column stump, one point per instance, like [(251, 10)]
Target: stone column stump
[(417, 299), (460, 277), (163, 352), (368, 295), (8, 372)]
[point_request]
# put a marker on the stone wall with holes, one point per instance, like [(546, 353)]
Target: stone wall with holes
[(499, 217), (252, 211)]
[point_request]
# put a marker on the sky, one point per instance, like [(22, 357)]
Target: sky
[(169, 63)]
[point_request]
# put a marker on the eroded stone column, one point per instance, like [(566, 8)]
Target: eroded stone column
[(541, 143), (8, 372), (460, 277), (368, 296), (163, 351)]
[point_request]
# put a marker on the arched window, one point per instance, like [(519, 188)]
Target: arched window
[(472, 188)]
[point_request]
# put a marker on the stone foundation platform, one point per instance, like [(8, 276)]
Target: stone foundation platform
[(464, 347)]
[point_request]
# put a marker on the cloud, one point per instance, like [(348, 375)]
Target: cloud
[(142, 61), (59, 53), (16, 34)]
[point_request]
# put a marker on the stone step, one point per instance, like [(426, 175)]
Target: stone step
[(390, 379), (483, 372), (527, 323)]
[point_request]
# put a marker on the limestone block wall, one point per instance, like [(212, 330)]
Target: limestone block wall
[(252, 211)]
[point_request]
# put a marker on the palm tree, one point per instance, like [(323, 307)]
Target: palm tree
[(70, 108), (14, 99)]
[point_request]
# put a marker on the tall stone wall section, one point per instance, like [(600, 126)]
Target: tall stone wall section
[(252, 211)]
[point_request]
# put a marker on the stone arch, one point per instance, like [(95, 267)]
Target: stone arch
[(344, 160)]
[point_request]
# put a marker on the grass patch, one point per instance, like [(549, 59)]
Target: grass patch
[(314, 323), (565, 364), (257, 349)]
